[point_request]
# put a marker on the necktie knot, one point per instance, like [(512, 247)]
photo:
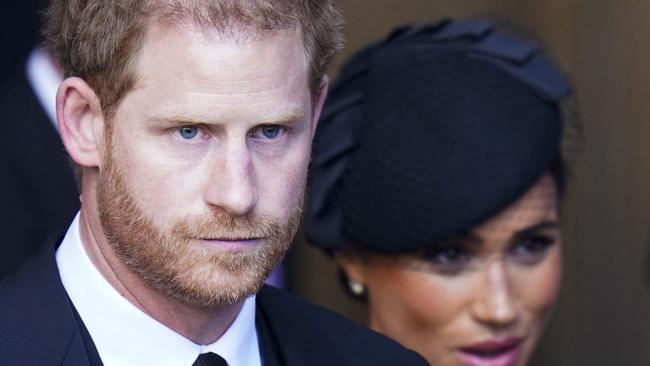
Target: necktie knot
[(210, 359)]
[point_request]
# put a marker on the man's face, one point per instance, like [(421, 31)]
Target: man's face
[(205, 162)]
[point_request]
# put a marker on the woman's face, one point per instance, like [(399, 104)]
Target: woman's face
[(482, 299)]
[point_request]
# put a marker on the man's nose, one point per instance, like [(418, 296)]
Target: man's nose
[(232, 186), (495, 304)]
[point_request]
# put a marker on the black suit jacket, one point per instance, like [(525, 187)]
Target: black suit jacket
[(37, 186), (39, 326)]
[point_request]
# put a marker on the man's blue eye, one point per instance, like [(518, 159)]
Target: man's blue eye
[(189, 132), (270, 131)]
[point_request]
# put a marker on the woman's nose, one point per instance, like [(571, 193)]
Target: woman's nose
[(494, 303)]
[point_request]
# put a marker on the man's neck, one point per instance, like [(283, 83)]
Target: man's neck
[(199, 324)]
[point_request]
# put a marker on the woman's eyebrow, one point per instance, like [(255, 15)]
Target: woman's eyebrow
[(544, 225), (467, 238)]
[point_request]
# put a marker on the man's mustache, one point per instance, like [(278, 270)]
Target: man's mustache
[(224, 226)]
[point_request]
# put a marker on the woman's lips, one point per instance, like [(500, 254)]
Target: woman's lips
[(496, 352)]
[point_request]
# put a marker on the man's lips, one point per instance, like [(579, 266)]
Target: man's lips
[(494, 352), (230, 244)]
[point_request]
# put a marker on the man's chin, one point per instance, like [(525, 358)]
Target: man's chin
[(223, 288), (202, 274), (210, 277)]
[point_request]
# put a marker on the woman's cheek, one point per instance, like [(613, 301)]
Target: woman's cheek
[(422, 311), (539, 288)]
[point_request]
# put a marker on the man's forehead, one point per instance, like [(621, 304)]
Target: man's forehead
[(231, 52), (236, 38), (185, 73)]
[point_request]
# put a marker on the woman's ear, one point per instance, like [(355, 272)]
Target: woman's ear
[(353, 269), (352, 265), (81, 122)]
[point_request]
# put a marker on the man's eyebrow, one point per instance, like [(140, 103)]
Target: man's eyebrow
[(179, 120), (286, 118)]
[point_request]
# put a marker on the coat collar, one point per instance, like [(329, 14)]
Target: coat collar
[(36, 311), (291, 326)]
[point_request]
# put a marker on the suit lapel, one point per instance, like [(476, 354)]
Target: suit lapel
[(270, 353), (35, 310), (296, 337)]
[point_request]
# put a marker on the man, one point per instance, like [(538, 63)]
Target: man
[(191, 124)]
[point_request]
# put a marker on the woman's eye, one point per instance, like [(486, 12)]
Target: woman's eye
[(188, 132), (450, 255), (449, 261), (531, 249)]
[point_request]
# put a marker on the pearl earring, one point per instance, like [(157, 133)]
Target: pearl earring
[(356, 287)]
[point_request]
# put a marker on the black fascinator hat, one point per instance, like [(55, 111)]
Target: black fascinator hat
[(429, 132)]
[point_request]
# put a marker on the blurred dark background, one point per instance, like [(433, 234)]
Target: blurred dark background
[(603, 317), (19, 30)]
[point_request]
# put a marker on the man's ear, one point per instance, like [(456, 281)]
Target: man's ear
[(319, 101), (81, 121)]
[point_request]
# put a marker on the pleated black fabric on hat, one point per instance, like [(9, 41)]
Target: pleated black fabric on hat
[(428, 134)]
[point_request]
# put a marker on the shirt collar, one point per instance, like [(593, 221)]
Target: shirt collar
[(125, 335)]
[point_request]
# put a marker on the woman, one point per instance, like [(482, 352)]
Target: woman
[(435, 184)]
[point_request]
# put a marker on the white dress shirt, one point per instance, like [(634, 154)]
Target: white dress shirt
[(126, 336)]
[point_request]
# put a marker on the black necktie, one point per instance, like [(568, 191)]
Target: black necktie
[(210, 359)]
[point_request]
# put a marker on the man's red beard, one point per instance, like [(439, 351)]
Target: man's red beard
[(169, 263)]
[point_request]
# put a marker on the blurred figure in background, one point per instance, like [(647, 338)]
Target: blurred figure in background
[(435, 183), (38, 186), (19, 25)]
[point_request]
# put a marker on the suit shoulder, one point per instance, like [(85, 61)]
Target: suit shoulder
[(309, 323), (35, 309)]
